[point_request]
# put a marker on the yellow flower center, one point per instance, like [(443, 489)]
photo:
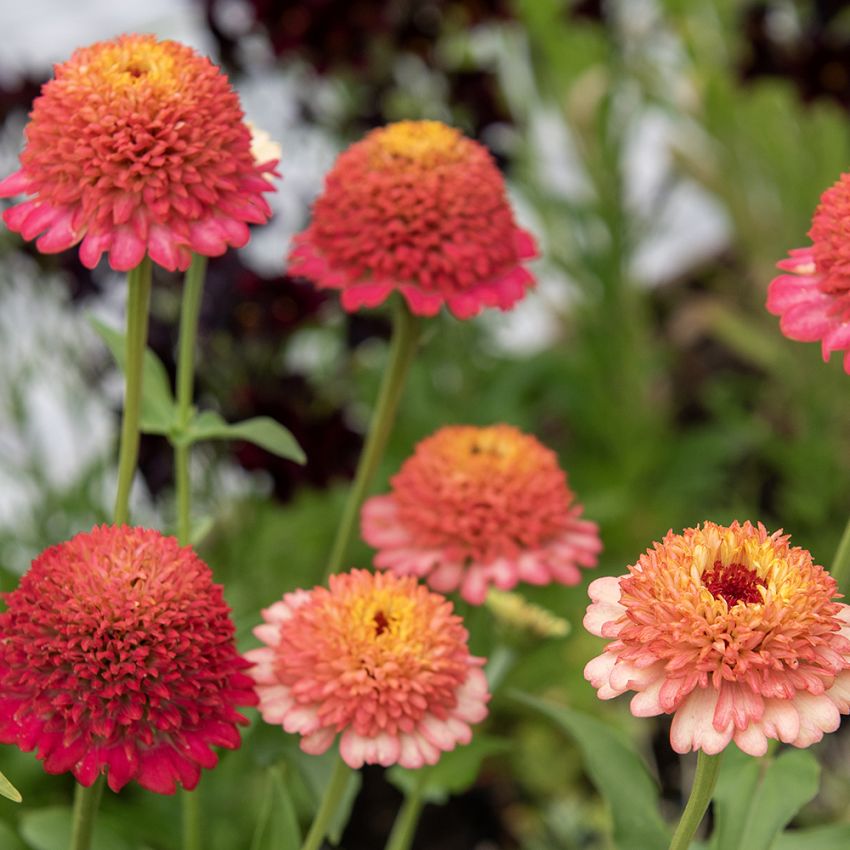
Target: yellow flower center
[(420, 142)]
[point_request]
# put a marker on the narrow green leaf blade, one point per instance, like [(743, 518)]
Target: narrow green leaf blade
[(617, 771), (277, 828), (9, 791), (262, 431), (158, 412)]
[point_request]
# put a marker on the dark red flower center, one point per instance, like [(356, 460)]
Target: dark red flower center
[(381, 623), (733, 582)]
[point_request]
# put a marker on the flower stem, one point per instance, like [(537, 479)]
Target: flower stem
[(138, 301), (404, 828), (86, 801), (327, 808), (708, 768), (190, 309), (841, 563), (404, 341)]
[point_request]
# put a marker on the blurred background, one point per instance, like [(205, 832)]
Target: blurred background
[(665, 152)]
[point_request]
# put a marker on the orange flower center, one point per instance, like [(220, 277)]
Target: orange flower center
[(733, 582), (421, 143)]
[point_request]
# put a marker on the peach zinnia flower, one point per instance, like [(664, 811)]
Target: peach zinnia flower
[(118, 657), (814, 299), (475, 507), (378, 658), (137, 147), (416, 207), (730, 630)]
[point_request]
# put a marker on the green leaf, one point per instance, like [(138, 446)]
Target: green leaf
[(756, 798), (454, 772), (159, 411), (817, 838), (277, 826), (262, 431), (617, 771), (50, 829), (9, 791), (316, 771), (8, 839)]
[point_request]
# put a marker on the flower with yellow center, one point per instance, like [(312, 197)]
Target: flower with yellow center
[(475, 507), (733, 632), (137, 147), (419, 208), (376, 658)]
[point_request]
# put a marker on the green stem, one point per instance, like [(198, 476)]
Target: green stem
[(138, 301), (708, 767), (190, 309), (86, 801), (327, 808), (841, 563), (407, 819), (403, 347)]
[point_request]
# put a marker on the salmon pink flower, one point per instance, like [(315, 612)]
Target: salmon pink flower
[(475, 507), (137, 147), (813, 300), (733, 632), (118, 657), (416, 207), (377, 658)]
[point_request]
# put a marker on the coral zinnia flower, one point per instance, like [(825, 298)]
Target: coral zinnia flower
[(731, 631), (475, 507), (118, 657), (814, 300), (136, 147), (378, 658), (418, 207)]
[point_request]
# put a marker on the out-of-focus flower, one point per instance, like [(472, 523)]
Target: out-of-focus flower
[(377, 658), (419, 208), (118, 657), (814, 299), (524, 618), (137, 147), (474, 507), (730, 630)]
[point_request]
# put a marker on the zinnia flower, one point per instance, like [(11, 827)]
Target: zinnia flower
[(137, 147), (416, 207), (475, 507), (730, 630), (378, 658), (814, 299), (118, 657)]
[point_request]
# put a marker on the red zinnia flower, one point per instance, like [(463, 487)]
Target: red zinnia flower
[(814, 300), (117, 657), (733, 632), (377, 658), (417, 207), (136, 147), (475, 507)]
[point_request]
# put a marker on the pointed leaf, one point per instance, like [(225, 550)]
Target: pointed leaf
[(277, 827), (454, 773), (262, 431), (617, 771), (158, 412), (8, 790), (316, 771)]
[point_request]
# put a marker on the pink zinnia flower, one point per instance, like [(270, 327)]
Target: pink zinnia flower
[(416, 207), (475, 507), (814, 299), (377, 658), (730, 630), (118, 657), (137, 147)]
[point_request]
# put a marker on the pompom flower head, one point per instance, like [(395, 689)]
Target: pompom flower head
[(419, 208), (118, 657), (377, 658), (480, 507), (137, 147), (733, 632), (813, 299)]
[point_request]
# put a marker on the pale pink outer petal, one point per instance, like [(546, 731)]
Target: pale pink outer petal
[(818, 715), (597, 671), (839, 693), (693, 724), (605, 608), (380, 526), (318, 742)]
